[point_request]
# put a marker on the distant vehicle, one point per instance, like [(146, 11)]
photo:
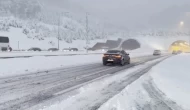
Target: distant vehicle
[(4, 44), (53, 49), (157, 52), (174, 52), (74, 49), (70, 49), (34, 49), (116, 57), (105, 49), (90, 49), (179, 52)]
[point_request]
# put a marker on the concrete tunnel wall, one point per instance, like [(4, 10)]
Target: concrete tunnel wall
[(130, 44)]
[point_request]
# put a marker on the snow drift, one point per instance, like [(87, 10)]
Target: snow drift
[(172, 78)]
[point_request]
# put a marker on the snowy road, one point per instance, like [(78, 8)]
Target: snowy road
[(25, 91)]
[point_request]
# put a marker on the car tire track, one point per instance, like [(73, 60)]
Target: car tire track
[(158, 99)]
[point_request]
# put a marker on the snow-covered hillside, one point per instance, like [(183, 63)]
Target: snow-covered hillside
[(32, 25), (18, 38), (30, 34)]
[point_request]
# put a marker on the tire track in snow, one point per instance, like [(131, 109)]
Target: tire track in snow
[(158, 99)]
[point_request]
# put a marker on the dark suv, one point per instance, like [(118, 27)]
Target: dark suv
[(53, 49), (70, 49), (34, 49), (116, 57)]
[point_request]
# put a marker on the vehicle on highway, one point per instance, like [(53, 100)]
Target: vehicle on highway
[(70, 49), (4, 43), (116, 57), (104, 49), (53, 49), (179, 52), (157, 52), (34, 49), (175, 52), (90, 49)]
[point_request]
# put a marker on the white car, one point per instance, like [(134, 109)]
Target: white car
[(157, 52)]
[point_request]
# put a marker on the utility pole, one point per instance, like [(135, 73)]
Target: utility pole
[(87, 32), (18, 46), (58, 34), (189, 37), (189, 42)]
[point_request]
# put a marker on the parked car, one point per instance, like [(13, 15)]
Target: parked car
[(157, 52), (90, 49), (74, 49), (70, 49), (53, 49), (116, 57), (34, 49)]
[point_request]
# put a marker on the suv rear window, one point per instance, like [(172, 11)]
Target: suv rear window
[(157, 50)]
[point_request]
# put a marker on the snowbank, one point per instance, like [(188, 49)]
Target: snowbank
[(18, 66), (133, 97), (45, 53), (172, 78)]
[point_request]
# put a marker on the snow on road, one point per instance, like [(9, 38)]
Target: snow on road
[(17, 66), (91, 96), (164, 87)]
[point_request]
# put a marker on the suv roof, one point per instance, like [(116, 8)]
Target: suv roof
[(156, 50)]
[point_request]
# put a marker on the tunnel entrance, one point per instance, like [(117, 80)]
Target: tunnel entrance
[(179, 45)]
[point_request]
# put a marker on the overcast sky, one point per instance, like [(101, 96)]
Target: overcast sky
[(128, 13)]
